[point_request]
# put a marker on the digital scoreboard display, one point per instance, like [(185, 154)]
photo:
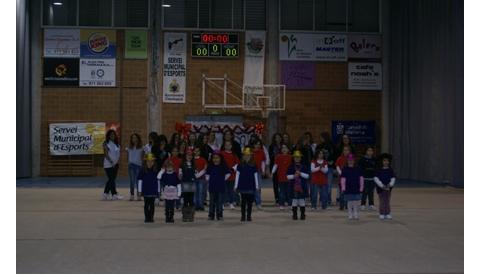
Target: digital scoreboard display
[(215, 45)]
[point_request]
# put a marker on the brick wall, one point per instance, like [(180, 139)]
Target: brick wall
[(310, 110)]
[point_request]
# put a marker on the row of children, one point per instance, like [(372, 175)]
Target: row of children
[(313, 181)]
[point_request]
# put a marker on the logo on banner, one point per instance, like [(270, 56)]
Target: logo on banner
[(61, 70), (98, 43), (176, 45), (174, 87), (292, 43), (255, 45), (331, 44)]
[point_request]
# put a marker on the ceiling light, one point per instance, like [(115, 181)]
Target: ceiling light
[(166, 5), (57, 3)]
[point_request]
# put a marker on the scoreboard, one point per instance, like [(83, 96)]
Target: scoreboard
[(215, 45)]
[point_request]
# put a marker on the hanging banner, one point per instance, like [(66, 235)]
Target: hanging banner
[(313, 46), (135, 44), (254, 58), (97, 72), (97, 43), (365, 76), (174, 67), (298, 75), (364, 46), (60, 72), (360, 132), (76, 138), (61, 43)]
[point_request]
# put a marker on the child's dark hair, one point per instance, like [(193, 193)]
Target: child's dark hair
[(154, 167), (222, 160), (139, 143), (107, 136), (368, 147), (385, 156), (317, 152)]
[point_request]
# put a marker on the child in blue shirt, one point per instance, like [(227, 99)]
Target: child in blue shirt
[(217, 174), (351, 184), (172, 189), (149, 186), (297, 175), (246, 182)]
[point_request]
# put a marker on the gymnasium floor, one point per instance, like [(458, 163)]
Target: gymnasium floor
[(69, 230)]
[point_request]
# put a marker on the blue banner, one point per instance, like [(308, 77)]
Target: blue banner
[(360, 132)]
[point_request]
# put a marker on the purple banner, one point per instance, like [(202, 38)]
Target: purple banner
[(298, 75)]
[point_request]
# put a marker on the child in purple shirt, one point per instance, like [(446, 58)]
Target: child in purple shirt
[(351, 182), (216, 175), (385, 180)]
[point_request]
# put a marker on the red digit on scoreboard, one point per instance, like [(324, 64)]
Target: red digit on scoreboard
[(225, 38), (205, 38)]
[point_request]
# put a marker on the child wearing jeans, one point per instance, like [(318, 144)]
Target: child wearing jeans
[(351, 182), (385, 180), (367, 165), (246, 182), (135, 154), (149, 186), (340, 163), (319, 170), (298, 175), (217, 173), (172, 189), (260, 163), (201, 168), (280, 168), (188, 177), (231, 160)]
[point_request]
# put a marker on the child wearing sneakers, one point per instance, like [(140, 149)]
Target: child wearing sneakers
[(231, 160), (297, 174), (217, 174), (280, 168), (351, 182), (246, 182), (171, 189), (339, 165), (260, 162), (385, 180), (319, 187), (149, 186), (367, 165)]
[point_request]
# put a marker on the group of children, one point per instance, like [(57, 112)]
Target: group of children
[(182, 173)]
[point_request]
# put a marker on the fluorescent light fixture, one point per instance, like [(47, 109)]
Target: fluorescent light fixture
[(57, 3), (166, 5)]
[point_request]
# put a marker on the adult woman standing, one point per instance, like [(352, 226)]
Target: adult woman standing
[(111, 150), (274, 149)]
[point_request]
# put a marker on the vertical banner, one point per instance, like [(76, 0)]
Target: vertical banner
[(97, 43), (254, 58), (135, 44), (365, 76), (174, 67), (61, 43)]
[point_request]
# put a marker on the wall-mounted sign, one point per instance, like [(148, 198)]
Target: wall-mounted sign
[(61, 43), (60, 72), (135, 44), (98, 43), (365, 76), (216, 45), (76, 138), (313, 46), (360, 132), (174, 67), (365, 46), (97, 72)]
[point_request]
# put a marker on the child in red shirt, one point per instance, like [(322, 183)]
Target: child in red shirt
[(319, 170), (201, 168), (280, 168), (339, 165), (231, 160), (260, 163), (176, 159)]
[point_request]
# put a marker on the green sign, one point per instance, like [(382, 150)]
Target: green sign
[(135, 44)]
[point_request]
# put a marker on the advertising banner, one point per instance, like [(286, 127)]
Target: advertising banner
[(97, 72), (135, 44), (313, 46), (61, 43), (364, 46), (174, 67), (97, 43), (60, 72), (360, 132), (298, 75), (365, 76), (76, 138), (254, 58)]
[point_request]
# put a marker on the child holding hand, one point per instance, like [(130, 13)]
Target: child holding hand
[(298, 176), (351, 182), (385, 180), (246, 182), (319, 170), (280, 168), (149, 186), (217, 174), (172, 189)]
